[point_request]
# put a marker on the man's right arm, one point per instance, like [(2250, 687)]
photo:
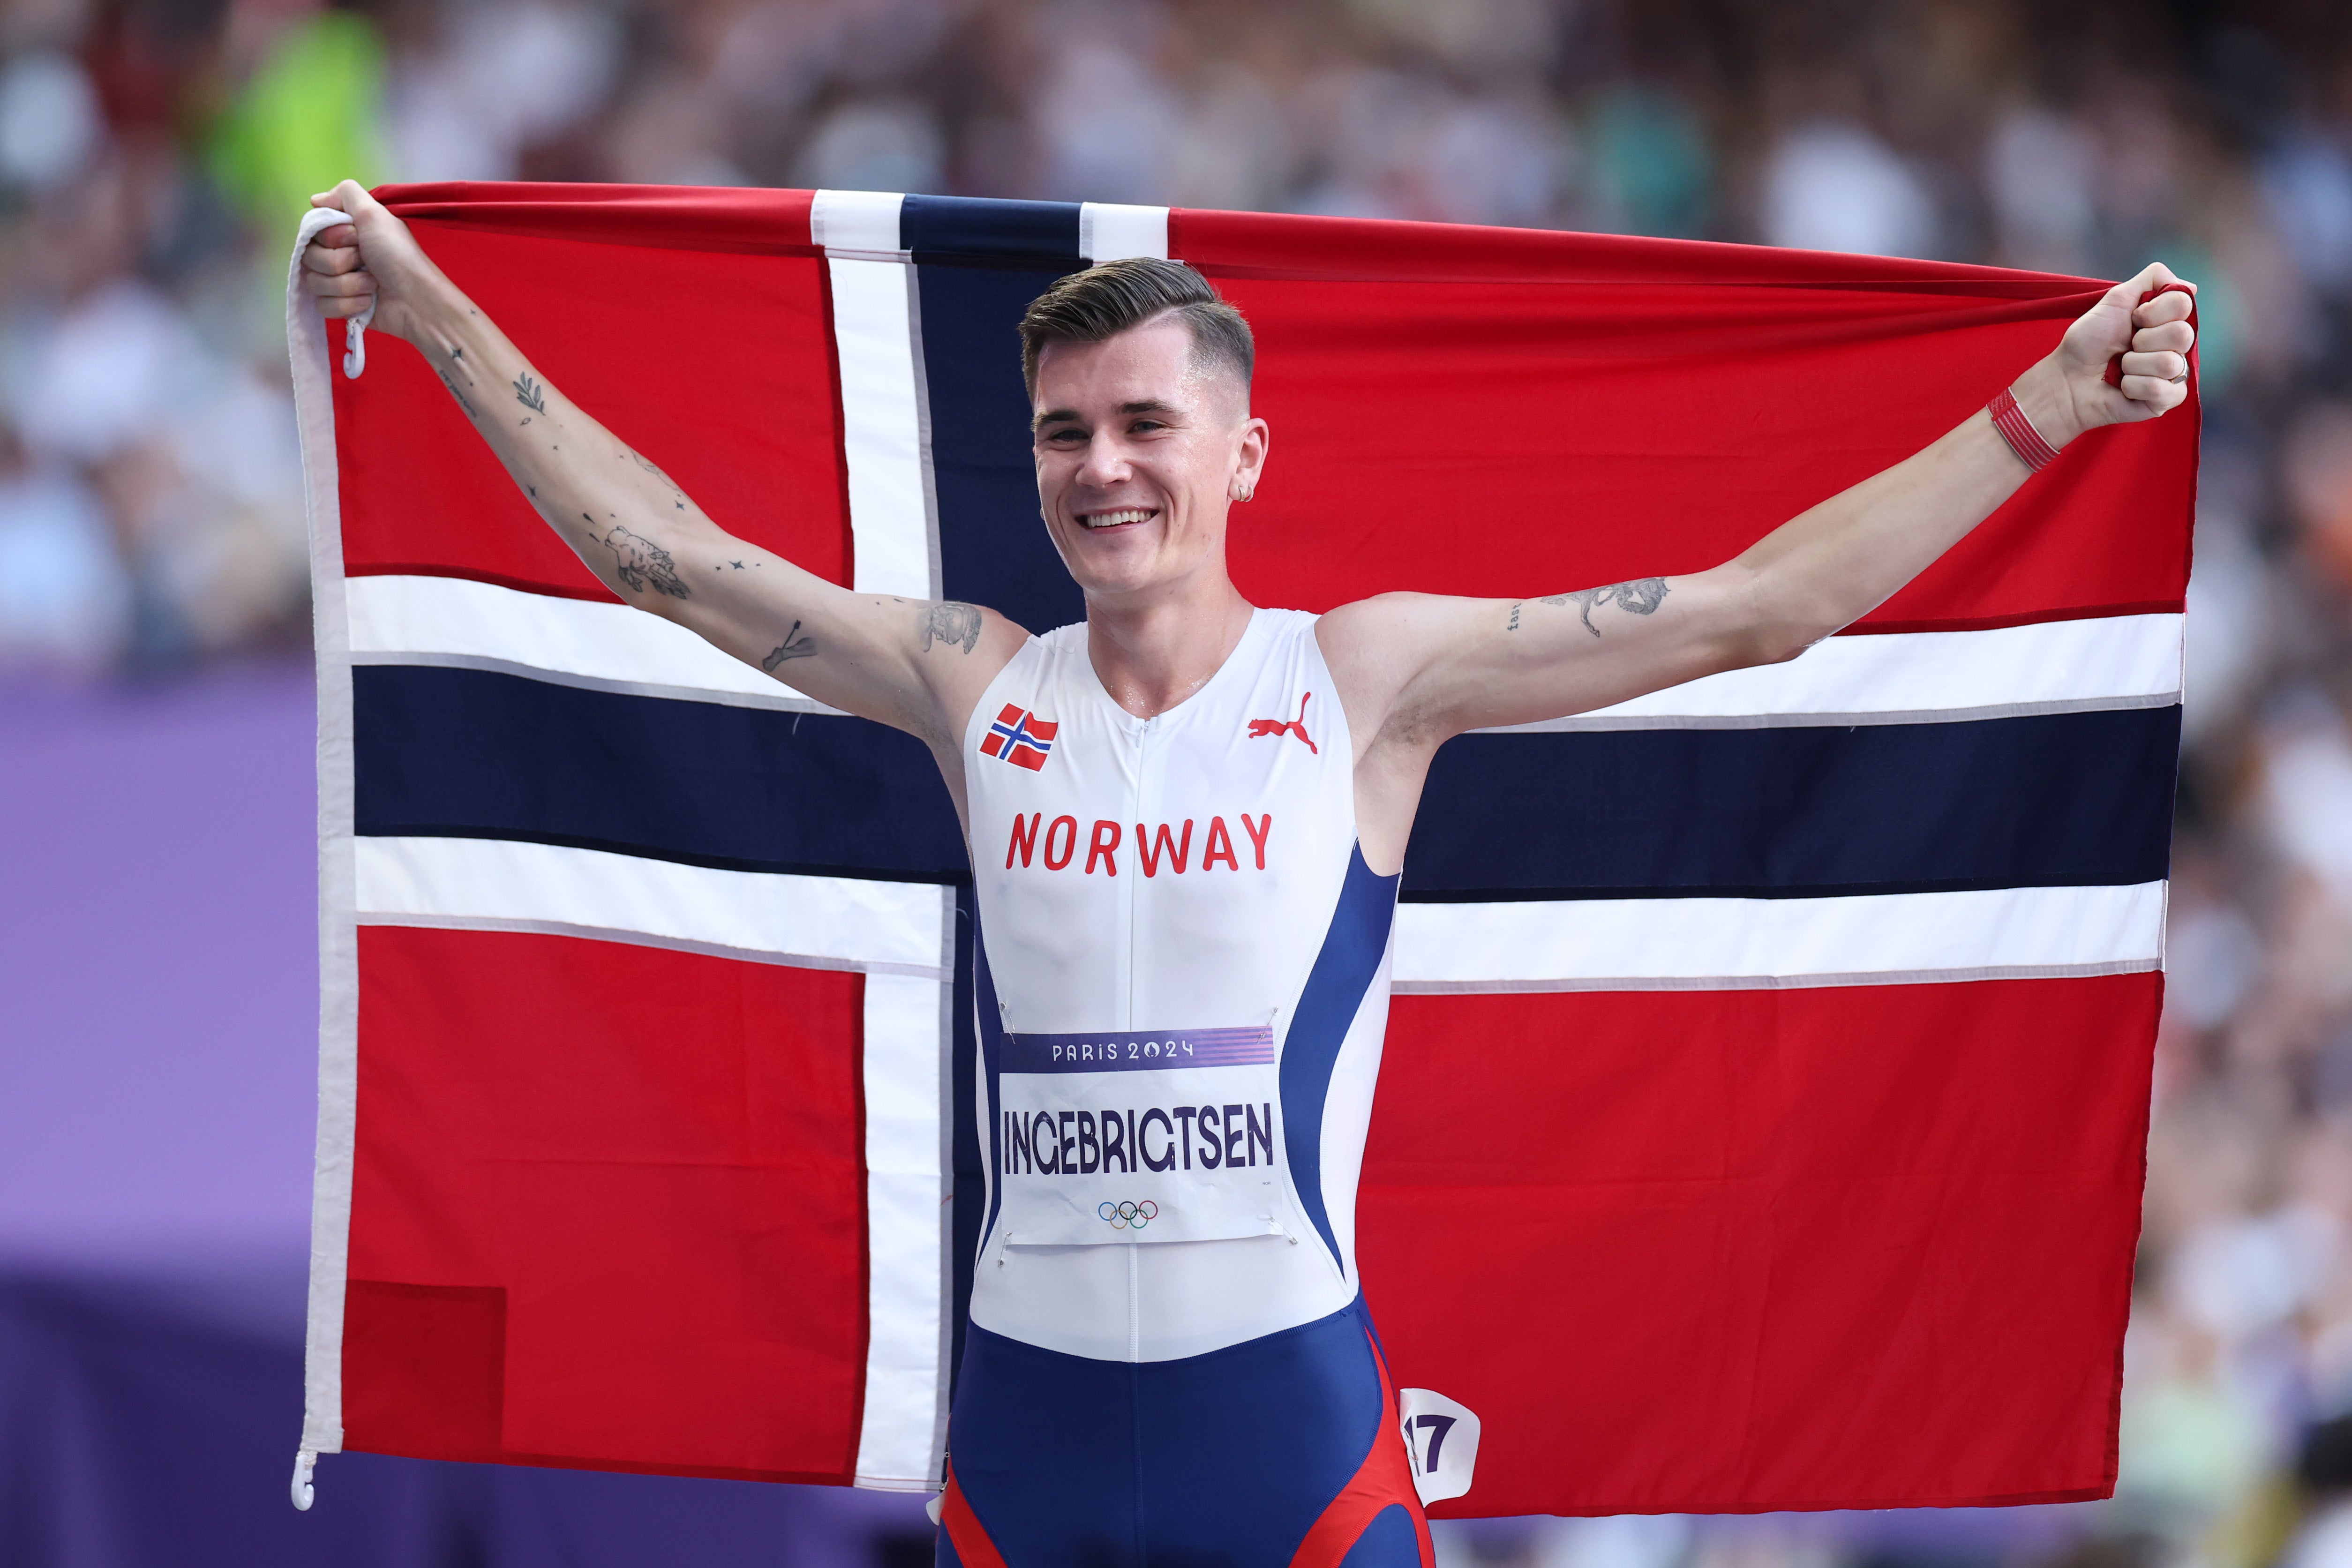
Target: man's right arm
[(918, 666)]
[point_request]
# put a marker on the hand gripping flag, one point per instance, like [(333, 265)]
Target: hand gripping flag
[(1762, 1117)]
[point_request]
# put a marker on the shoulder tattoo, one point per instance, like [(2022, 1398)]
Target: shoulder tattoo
[(952, 623)]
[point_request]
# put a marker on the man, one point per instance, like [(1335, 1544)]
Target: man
[(1187, 819)]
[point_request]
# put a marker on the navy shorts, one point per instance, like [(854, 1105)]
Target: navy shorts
[(1277, 1452)]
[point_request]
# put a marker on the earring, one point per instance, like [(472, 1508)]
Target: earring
[(1242, 492)]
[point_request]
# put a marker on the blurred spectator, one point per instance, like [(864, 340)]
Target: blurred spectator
[(497, 80), (48, 120), (68, 602), (309, 115), (1832, 186), (1652, 172), (2038, 177), (153, 154)]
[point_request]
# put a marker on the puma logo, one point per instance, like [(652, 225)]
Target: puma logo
[(1297, 727)]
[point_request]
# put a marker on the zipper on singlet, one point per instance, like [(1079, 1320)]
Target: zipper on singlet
[(1143, 737), (1134, 1303), (1134, 883)]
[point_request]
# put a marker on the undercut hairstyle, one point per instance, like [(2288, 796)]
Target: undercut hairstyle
[(1104, 301)]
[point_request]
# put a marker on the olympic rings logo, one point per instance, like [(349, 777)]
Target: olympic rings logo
[(1128, 1216)]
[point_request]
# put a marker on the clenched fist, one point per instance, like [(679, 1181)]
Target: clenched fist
[(2153, 338), (372, 259)]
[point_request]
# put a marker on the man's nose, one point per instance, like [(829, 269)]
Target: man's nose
[(1105, 463)]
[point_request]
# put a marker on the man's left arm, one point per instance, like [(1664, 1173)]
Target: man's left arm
[(1417, 668)]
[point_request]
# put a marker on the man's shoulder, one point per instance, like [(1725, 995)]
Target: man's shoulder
[(1377, 647), (1379, 620)]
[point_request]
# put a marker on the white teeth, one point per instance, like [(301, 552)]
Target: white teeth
[(1114, 519)]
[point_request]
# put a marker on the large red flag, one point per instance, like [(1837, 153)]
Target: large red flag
[(1762, 1115)]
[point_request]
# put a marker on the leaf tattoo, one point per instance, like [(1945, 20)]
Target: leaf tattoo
[(1642, 597), (642, 563), (952, 623), (792, 647), (527, 392)]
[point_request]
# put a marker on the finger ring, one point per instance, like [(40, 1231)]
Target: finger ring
[(2180, 377)]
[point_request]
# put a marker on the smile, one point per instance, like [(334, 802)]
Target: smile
[(1118, 519)]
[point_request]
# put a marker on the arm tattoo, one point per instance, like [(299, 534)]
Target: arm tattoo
[(527, 392), (1642, 597), (641, 562), (456, 393), (1515, 617), (953, 624), (794, 646), (677, 495)]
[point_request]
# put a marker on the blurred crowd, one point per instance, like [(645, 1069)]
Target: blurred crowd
[(153, 154)]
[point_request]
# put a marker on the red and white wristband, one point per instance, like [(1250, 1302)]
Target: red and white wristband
[(2018, 431)]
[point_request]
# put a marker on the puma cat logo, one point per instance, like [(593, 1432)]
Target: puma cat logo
[(1297, 727)]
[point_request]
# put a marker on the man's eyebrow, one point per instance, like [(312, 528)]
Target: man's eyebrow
[(1053, 416)]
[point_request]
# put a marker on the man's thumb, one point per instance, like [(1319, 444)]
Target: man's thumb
[(349, 196)]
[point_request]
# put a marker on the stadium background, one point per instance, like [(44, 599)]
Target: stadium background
[(155, 979)]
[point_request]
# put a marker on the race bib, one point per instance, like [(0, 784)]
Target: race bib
[(1159, 1135)]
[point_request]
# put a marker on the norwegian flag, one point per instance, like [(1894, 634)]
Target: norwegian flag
[(1019, 737), (1763, 1108)]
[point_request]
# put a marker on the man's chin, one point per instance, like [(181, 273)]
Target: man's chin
[(1116, 584), (1116, 566)]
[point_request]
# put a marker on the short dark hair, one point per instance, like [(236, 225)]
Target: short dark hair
[(1103, 301)]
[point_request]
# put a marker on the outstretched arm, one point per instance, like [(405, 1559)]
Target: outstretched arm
[(919, 666), (1418, 668)]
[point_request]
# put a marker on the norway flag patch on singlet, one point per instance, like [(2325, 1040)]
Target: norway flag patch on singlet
[(1019, 737)]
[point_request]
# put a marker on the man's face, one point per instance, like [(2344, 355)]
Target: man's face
[(1137, 456)]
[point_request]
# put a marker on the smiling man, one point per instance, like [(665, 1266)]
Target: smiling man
[(1187, 816)]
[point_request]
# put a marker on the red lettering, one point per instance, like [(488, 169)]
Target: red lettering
[(1099, 849), (1024, 839), (1219, 847), (1149, 850), (1257, 832), (1069, 841)]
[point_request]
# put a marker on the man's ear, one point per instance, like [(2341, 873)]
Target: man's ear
[(1256, 437)]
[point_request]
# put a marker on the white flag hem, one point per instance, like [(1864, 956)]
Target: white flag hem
[(330, 1193)]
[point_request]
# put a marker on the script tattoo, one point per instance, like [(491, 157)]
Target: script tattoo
[(1515, 617), (678, 495), (643, 562), (792, 647), (528, 393), (1642, 597), (953, 624), (456, 393)]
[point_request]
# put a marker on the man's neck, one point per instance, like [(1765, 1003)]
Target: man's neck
[(1152, 655)]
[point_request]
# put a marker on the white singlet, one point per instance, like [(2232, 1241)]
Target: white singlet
[(1182, 987)]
